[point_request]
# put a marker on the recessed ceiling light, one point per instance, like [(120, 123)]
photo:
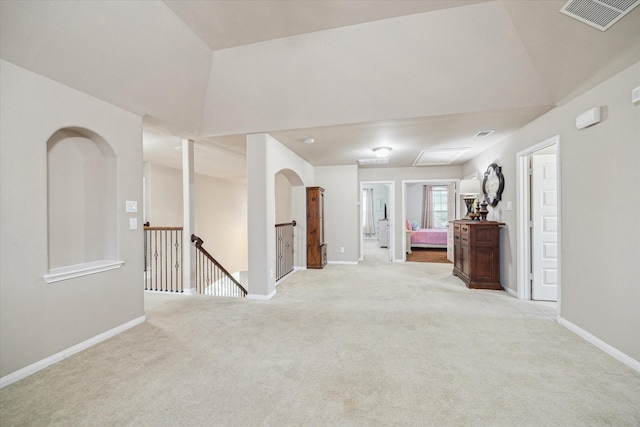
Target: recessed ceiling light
[(309, 140), (484, 133)]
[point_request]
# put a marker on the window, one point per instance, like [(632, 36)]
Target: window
[(439, 194)]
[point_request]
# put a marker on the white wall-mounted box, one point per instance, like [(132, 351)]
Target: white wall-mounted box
[(588, 118)]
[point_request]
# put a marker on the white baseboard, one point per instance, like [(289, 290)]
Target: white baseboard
[(282, 279), (611, 351), (298, 268), (258, 297), (343, 262), (511, 292), (45, 363)]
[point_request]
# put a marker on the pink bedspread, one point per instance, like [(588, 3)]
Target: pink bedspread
[(429, 236)]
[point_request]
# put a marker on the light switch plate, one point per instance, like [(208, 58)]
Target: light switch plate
[(509, 206), (133, 223), (132, 206)]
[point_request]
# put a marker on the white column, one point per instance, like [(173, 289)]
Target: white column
[(261, 219), (189, 260)]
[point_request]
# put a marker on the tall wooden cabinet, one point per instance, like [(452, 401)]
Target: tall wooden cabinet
[(316, 247), (477, 253)]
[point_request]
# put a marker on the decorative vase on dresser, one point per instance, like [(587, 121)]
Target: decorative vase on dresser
[(477, 253), (316, 247)]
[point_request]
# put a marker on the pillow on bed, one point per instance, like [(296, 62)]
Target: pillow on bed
[(415, 226), (408, 225)]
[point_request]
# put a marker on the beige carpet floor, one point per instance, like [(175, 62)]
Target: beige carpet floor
[(378, 344)]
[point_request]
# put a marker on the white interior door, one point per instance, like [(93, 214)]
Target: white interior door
[(451, 215), (544, 237)]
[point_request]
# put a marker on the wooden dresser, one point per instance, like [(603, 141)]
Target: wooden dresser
[(316, 247), (477, 253)]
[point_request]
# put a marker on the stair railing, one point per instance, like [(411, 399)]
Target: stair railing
[(211, 277), (284, 249), (163, 259)]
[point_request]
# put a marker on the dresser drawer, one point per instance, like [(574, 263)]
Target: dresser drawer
[(464, 234)]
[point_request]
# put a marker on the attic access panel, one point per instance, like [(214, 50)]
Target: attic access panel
[(444, 156)]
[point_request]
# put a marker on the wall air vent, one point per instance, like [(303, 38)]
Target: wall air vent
[(600, 14), (378, 161), (443, 156)]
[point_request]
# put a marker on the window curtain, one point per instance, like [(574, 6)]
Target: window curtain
[(369, 226), (427, 207)]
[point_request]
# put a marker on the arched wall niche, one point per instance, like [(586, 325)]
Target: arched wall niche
[(81, 199)]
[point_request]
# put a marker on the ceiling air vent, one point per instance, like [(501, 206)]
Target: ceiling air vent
[(600, 14), (484, 133), (378, 161)]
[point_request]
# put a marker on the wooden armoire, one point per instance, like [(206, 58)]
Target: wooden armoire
[(477, 253), (316, 247)]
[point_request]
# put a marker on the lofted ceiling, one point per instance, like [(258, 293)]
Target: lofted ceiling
[(352, 75)]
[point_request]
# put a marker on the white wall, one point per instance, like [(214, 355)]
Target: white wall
[(397, 175), (341, 211), (165, 196), (220, 212), (221, 220), (39, 320), (599, 176), (413, 199)]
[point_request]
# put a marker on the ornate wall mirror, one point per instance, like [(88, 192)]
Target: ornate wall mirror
[(493, 184)]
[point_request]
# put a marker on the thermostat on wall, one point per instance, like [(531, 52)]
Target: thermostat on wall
[(132, 206)]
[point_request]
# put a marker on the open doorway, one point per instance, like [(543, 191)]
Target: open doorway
[(538, 222), (376, 219), (428, 208)]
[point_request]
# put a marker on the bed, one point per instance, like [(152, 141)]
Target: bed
[(426, 238)]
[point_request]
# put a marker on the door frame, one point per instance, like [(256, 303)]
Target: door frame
[(390, 214), (523, 196), (404, 204)]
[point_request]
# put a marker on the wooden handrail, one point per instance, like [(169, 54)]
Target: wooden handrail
[(198, 243), (286, 223), (163, 228), (284, 249)]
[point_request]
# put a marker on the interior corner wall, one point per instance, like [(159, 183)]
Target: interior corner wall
[(220, 212), (221, 220), (283, 196), (39, 320), (599, 175), (165, 196), (340, 211), (397, 175)]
